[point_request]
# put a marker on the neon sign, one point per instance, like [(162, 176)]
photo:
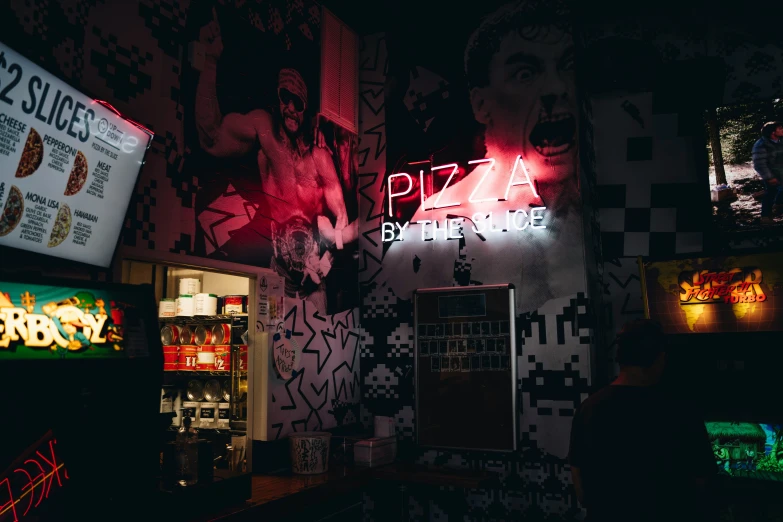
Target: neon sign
[(482, 222), (30, 480), (732, 286)]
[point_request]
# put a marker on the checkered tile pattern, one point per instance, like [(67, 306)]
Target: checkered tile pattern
[(652, 201)]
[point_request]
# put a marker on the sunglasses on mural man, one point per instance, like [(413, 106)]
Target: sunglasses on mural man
[(287, 97)]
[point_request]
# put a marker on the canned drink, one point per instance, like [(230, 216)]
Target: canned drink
[(221, 333), (205, 360), (188, 355), (185, 335), (169, 334), (170, 358), (202, 335), (222, 358), (234, 304), (243, 358), (167, 308)]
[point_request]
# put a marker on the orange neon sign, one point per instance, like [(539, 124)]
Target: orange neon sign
[(738, 285)]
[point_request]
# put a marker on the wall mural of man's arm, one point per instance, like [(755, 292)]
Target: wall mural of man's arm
[(342, 232), (229, 136)]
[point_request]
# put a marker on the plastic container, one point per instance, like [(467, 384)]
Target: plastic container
[(190, 286), (185, 306), (167, 308), (310, 452), (205, 304)]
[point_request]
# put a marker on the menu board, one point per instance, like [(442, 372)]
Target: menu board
[(68, 165), (465, 371)]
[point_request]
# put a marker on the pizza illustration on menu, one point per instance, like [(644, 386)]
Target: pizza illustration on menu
[(62, 226), (78, 175), (12, 211), (32, 155)]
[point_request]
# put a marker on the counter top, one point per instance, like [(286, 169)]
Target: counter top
[(280, 495)]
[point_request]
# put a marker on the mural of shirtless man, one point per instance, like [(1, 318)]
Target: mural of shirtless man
[(299, 182)]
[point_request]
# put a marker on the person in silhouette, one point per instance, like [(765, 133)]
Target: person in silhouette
[(636, 452), (767, 157)]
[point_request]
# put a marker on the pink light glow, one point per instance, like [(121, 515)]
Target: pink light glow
[(455, 168), (491, 162), (527, 181), (392, 195)]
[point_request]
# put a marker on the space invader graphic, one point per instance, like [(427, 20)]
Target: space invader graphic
[(366, 344), (556, 496), (404, 422), (457, 461), (479, 500), (415, 510), (546, 424), (381, 383), (501, 468), (573, 322), (428, 457), (514, 502), (427, 94), (563, 347), (437, 514), (380, 303), (401, 341)]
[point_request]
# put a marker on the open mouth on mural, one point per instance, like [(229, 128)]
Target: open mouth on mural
[(291, 121), (554, 134)]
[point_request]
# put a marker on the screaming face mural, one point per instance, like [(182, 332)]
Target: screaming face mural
[(518, 67)]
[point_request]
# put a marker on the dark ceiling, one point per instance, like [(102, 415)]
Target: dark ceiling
[(413, 17)]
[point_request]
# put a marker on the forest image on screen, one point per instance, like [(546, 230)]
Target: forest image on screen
[(750, 450), (742, 145)]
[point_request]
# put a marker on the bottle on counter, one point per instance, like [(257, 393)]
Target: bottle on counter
[(187, 453)]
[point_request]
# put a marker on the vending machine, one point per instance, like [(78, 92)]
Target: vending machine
[(80, 373)]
